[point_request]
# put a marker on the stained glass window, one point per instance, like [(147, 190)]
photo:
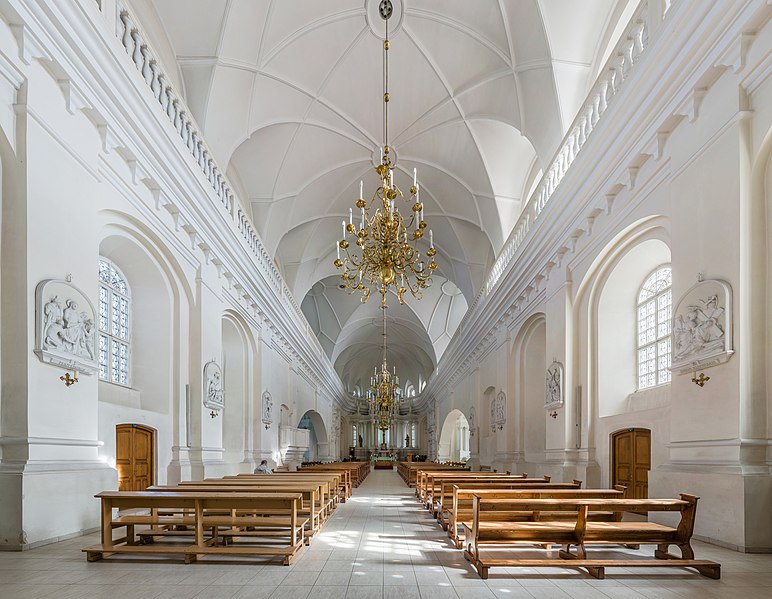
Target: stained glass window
[(114, 324), (655, 310)]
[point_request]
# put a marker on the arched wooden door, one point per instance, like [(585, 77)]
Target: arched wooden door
[(134, 456), (631, 461)]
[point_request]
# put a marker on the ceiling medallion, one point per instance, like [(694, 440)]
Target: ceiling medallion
[(388, 244)]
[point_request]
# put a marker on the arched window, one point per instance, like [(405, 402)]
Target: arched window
[(114, 324), (655, 308)]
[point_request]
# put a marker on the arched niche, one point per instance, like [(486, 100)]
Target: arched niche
[(530, 362), (152, 314), (617, 323), (487, 400), (318, 441), (454, 438), (237, 348)]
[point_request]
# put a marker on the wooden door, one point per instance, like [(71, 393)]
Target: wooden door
[(631, 461), (134, 456)]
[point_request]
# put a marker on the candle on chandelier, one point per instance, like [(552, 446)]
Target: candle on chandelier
[(343, 224), (351, 216), (415, 176), (431, 239), (337, 247), (363, 219), (403, 279), (360, 189), (391, 178), (391, 208)]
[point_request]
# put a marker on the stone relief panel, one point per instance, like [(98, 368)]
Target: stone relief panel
[(498, 411), (472, 419), (554, 386), (214, 391), (66, 334), (267, 409), (702, 326)]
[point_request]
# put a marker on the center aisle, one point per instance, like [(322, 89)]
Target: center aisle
[(382, 544)]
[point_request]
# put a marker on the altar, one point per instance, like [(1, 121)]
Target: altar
[(384, 462)]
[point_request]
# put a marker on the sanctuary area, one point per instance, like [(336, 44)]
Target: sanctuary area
[(385, 298)]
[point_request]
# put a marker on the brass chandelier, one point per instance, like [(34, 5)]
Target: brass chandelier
[(385, 395), (388, 251)]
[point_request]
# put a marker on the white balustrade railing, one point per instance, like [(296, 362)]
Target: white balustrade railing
[(172, 104), (179, 116), (626, 54)]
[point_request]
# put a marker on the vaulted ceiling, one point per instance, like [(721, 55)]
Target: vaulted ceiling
[(288, 95)]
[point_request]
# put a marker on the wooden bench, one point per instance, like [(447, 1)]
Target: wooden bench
[(312, 494), (460, 506), (337, 480), (204, 511), (328, 485), (425, 478), (580, 531), (431, 486), (409, 470)]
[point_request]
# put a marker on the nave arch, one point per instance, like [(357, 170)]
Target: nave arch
[(160, 303), (605, 343), (317, 432), (238, 350), (454, 438), (528, 365)]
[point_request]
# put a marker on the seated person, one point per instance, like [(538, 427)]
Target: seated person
[(263, 468)]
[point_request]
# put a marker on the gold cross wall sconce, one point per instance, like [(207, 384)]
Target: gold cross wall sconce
[(700, 380), (69, 380)]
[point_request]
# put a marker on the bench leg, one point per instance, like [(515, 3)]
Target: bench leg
[(598, 572), (94, 556)]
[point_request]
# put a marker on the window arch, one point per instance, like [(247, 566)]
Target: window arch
[(114, 324), (655, 310)]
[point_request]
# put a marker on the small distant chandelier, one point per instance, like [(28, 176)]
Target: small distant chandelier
[(388, 242), (384, 395)]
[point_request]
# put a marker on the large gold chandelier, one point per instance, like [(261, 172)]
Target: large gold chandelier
[(388, 251), (385, 395)]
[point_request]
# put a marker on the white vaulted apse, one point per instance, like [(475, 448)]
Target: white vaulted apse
[(288, 96)]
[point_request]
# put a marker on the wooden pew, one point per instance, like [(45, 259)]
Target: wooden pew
[(312, 494), (412, 470), (580, 531), (357, 471), (460, 506), (208, 511), (430, 483), (424, 477), (409, 470), (336, 480)]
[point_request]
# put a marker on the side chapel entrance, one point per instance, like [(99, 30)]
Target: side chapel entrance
[(631, 461), (134, 456)]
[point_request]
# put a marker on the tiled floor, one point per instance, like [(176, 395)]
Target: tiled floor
[(380, 544)]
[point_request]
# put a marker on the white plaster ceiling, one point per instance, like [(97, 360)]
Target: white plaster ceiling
[(288, 95)]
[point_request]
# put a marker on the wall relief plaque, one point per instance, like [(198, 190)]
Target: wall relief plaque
[(267, 409), (65, 327), (702, 327), (214, 391), (498, 411), (554, 387)]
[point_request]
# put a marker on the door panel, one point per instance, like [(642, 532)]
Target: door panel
[(134, 456), (631, 461)]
